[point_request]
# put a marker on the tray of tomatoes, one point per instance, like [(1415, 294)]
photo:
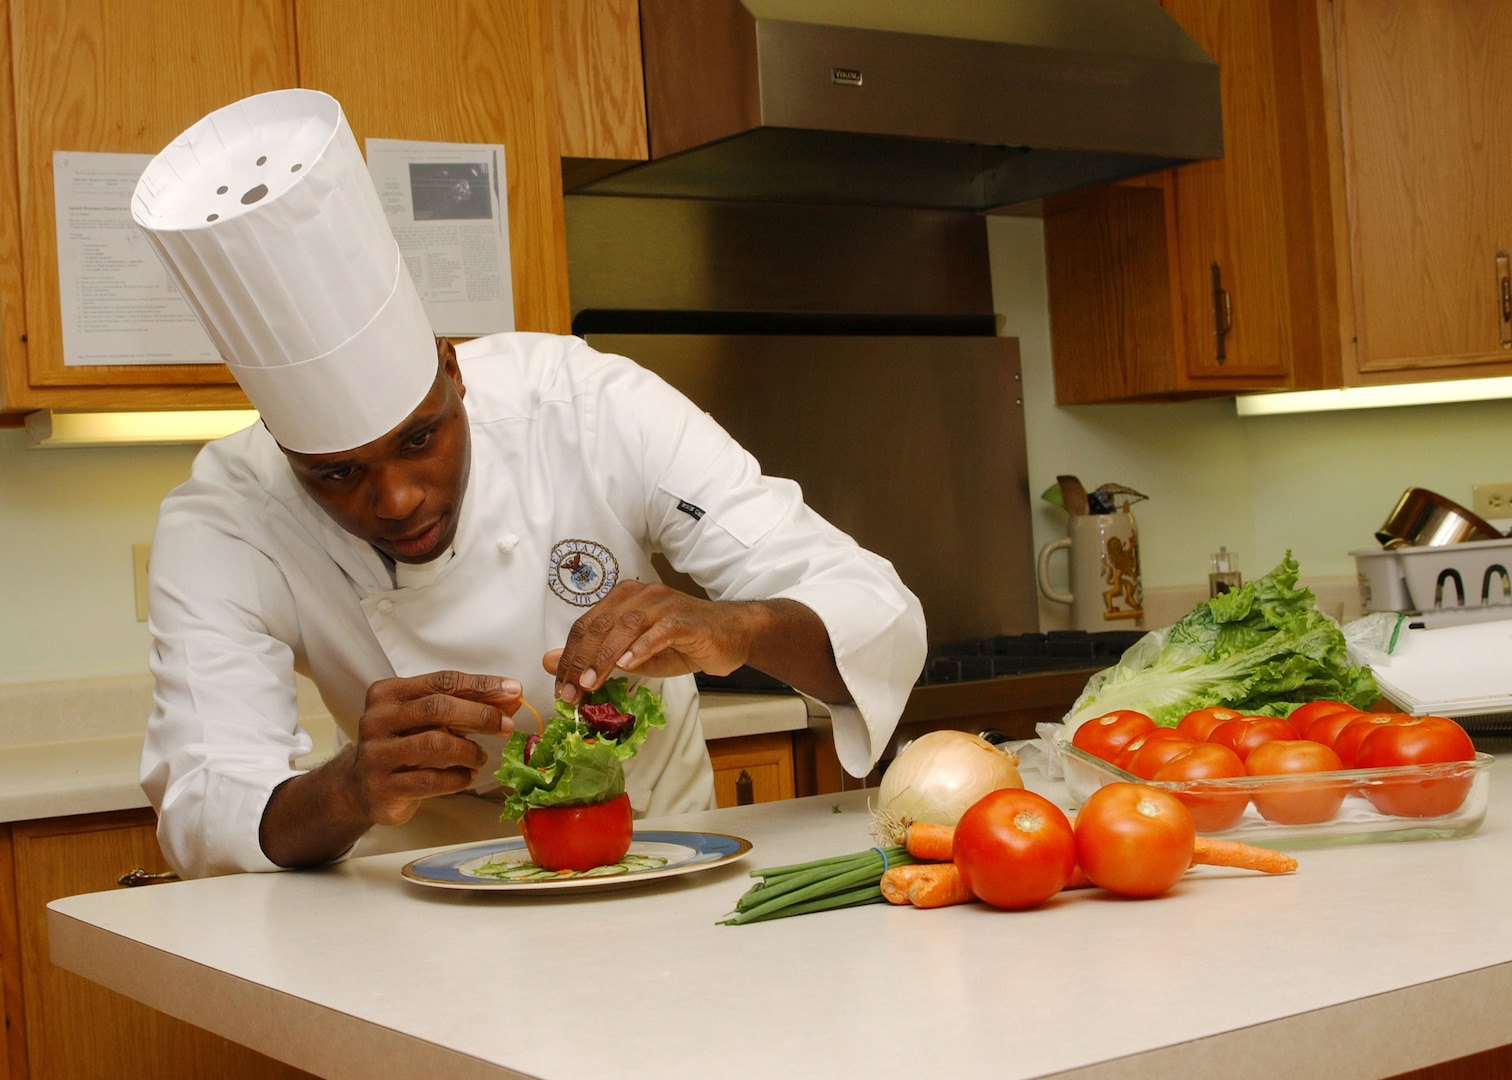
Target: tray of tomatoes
[(1326, 774)]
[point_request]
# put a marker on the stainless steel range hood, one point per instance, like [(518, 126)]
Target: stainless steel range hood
[(964, 104)]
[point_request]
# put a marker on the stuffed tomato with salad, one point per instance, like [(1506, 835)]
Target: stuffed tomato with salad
[(566, 782)]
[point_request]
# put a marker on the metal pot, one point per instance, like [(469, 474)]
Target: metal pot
[(1423, 518)]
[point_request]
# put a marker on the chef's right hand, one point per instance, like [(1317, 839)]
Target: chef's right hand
[(412, 739)]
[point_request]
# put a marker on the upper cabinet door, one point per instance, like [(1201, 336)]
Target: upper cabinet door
[(601, 92), (1232, 248), (116, 76), (1205, 279), (472, 71), (1425, 92)]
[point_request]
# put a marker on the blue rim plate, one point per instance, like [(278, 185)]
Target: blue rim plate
[(504, 866)]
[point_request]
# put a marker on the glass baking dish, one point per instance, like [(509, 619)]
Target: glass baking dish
[(1357, 821)]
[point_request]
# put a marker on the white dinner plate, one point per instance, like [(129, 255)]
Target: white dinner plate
[(504, 865)]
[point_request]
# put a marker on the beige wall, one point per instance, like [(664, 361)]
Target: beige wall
[(1318, 484), (68, 519)]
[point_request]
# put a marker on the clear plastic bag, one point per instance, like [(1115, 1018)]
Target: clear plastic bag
[(1374, 637)]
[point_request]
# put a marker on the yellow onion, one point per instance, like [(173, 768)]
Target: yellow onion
[(939, 775)]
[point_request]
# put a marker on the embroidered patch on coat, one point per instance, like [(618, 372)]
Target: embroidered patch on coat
[(581, 572), (693, 511)]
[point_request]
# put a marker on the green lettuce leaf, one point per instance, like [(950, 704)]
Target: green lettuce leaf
[(571, 766), (1263, 648)]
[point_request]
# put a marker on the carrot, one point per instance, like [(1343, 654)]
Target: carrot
[(925, 885), (1245, 856), (540, 728), (897, 880), (928, 842), (940, 885)]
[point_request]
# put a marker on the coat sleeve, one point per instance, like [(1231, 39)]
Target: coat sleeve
[(741, 535), (224, 730)]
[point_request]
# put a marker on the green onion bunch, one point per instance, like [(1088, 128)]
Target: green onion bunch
[(821, 885)]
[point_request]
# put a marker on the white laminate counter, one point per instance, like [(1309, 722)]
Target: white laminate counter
[(1369, 961), (76, 748)]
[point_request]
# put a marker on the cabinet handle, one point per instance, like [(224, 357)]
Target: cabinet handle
[(1223, 313), (1504, 289), (140, 876), (745, 790)]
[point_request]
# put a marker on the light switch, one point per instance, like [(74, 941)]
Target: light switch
[(141, 554)]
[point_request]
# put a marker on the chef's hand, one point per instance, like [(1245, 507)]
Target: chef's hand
[(412, 743), (412, 738), (656, 631)]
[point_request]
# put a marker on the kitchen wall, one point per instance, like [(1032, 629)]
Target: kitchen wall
[(68, 519), (1318, 484)]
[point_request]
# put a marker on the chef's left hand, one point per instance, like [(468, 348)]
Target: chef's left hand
[(654, 631)]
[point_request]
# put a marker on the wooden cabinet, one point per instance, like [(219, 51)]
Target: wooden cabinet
[(106, 77), (1205, 279), (12, 1029), (752, 768), (475, 73), (12, 308), (601, 92), (1422, 178), (61, 1025), (1359, 224)]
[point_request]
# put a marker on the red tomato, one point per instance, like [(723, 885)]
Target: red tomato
[(1418, 741), (1325, 729), (1105, 736), (1302, 803), (1199, 723), (1244, 734), (1309, 711), (1134, 840), (1159, 734), (1347, 742), (1144, 756), (1015, 849), (1213, 809), (578, 837)]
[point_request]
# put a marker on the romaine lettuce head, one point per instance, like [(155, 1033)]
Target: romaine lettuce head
[(1263, 648), (571, 765)]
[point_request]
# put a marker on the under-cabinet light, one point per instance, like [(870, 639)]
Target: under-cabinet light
[(1374, 397), (47, 429)]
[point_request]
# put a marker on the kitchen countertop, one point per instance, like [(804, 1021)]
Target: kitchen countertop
[(76, 748), (1370, 960)]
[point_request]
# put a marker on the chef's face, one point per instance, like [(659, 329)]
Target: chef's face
[(402, 492)]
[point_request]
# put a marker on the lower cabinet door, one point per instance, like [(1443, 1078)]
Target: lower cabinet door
[(752, 768), (75, 1027)]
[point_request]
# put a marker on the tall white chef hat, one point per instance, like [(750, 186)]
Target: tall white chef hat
[(266, 217)]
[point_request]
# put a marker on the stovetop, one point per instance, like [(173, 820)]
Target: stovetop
[(1025, 654), (975, 660)]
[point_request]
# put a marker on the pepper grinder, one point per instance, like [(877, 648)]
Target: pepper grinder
[(1224, 578)]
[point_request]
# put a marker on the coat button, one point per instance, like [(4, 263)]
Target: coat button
[(508, 542), (385, 607)]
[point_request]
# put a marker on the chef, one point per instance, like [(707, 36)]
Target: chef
[(437, 534)]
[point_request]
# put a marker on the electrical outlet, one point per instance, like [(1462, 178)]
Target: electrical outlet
[(141, 554), (1492, 500)]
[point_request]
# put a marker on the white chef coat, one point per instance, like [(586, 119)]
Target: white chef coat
[(583, 465)]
